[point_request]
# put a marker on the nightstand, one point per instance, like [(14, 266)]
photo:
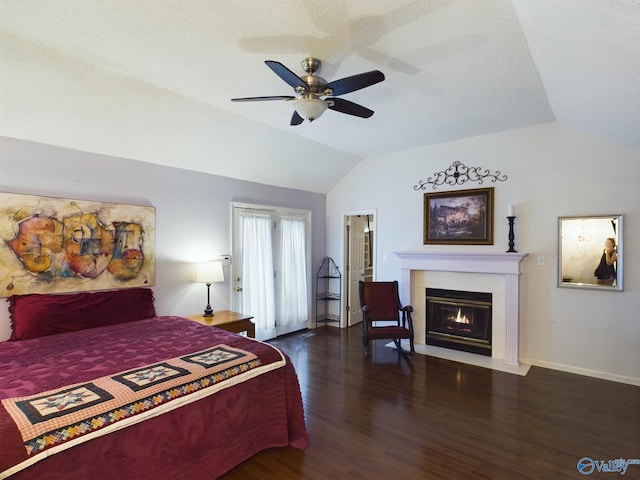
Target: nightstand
[(229, 321)]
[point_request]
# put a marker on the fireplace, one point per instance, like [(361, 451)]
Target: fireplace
[(460, 320), (498, 273)]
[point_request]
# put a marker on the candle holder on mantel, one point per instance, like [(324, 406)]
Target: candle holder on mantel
[(511, 235)]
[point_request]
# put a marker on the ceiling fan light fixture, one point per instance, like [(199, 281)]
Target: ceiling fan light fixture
[(309, 89), (310, 108)]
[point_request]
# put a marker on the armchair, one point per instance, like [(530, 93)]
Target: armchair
[(381, 315)]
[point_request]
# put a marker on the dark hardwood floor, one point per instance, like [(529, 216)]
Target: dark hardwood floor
[(384, 417)]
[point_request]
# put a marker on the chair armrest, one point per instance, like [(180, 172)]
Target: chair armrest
[(406, 317)]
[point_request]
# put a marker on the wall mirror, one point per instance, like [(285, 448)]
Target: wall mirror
[(585, 242)]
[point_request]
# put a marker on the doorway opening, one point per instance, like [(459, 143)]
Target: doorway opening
[(359, 255)]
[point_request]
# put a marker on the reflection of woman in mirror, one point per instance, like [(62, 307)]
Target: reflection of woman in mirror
[(606, 271)]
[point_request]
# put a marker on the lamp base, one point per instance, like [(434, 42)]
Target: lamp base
[(208, 311)]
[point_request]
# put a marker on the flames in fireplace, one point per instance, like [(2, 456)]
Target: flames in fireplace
[(460, 320)]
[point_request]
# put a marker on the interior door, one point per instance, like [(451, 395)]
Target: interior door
[(271, 268), (356, 265)]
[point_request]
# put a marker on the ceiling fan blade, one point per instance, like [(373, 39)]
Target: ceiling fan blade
[(296, 119), (355, 82), (287, 75), (262, 99), (345, 106)]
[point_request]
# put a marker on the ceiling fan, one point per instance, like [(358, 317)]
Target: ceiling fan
[(308, 101)]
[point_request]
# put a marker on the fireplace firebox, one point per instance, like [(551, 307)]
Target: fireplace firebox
[(460, 320)]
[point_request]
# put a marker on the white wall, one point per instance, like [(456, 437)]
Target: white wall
[(553, 171), (192, 211)]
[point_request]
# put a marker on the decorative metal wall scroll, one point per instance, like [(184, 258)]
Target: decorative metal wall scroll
[(457, 174)]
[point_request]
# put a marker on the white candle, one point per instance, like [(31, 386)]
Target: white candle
[(511, 211)]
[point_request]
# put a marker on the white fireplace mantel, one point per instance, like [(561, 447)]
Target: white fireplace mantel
[(504, 264)]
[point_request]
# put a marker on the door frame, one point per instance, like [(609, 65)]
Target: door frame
[(345, 258), (279, 210)]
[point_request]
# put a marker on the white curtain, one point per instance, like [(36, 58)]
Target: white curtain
[(257, 272), (293, 272)]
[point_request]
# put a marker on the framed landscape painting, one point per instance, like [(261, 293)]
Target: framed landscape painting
[(463, 217)]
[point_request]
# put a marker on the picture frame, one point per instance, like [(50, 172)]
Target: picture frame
[(61, 245), (462, 217)]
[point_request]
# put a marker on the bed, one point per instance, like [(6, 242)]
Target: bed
[(95, 385)]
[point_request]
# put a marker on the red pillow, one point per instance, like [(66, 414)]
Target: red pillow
[(41, 315)]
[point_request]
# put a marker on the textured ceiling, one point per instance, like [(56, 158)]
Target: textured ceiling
[(152, 80)]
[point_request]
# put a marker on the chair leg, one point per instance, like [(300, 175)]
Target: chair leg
[(402, 351)]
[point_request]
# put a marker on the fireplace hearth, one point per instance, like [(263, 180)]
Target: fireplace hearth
[(460, 320)]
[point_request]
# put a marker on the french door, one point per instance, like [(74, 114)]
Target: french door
[(271, 268)]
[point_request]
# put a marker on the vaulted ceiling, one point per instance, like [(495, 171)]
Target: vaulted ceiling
[(152, 80)]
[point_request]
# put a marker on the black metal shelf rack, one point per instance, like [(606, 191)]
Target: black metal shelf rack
[(328, 288)]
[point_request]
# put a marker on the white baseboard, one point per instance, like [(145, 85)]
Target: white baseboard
[(583, 371)]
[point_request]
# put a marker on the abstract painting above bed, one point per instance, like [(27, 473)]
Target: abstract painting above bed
[(53, 245)]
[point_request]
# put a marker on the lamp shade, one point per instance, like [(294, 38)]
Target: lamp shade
[(209, 272), (310, 108)]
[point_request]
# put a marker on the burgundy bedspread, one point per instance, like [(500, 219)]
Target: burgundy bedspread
[(201, 440)]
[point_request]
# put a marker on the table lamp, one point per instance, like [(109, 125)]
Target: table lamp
[(209, 272)]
